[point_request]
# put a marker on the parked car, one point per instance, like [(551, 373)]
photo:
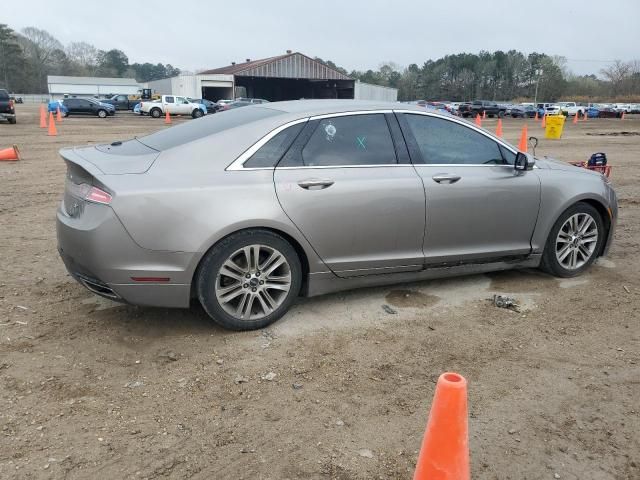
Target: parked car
[(553, 109), (209, 106), (307, 225), (7, 107), (634, 108), (174, 104), (572, 108), (121, 102), (609, 112), (234, 104), (87, 106), (593, 112), (252, 100), (520, 111), (478, 107)]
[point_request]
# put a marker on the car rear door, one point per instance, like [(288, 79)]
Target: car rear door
[(479, 208), (350, 189), (170, 105)]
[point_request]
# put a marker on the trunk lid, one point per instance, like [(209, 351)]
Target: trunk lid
[(118, 158)]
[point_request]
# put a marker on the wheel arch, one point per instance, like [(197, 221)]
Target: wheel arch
[(597, 203), (297, 246)]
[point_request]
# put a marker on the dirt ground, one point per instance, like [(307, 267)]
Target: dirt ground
[(90, 389)]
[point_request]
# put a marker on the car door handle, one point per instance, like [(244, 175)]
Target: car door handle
[(315, 183), (446, 178)]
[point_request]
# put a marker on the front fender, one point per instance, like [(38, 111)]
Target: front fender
[(562, 189)]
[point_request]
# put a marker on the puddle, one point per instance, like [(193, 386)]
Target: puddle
[(411, 298)]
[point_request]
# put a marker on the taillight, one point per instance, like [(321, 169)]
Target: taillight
[(97, 195), (10, 103)]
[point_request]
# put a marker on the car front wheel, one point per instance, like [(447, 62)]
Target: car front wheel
[(574, 242), (249, 280), (102, 113)]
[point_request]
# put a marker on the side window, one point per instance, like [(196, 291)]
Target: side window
[(350, 140), (508, 156), (122, 98), (168, 99), (271, 152), (444, 142), (84, 103)]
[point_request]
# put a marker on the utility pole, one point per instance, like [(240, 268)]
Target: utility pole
[(538, 73)]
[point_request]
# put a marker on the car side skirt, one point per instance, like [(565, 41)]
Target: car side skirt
[(327, 282)]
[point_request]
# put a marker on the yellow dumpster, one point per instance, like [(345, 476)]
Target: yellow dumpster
[(554, 126)]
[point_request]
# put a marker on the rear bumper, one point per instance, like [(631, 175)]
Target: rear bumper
[(7, 116), (99, 253)]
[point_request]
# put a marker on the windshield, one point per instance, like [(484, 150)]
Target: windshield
[(205, 126)]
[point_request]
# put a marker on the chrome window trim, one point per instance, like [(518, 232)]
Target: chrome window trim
[(464, 123), (238, 163)]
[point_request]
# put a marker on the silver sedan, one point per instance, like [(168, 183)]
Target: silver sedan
[(247, 210)]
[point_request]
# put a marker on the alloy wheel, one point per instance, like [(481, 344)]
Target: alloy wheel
[(576, 241), (253, 282)]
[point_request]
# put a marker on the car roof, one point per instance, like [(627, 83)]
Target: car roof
[(322, 107)]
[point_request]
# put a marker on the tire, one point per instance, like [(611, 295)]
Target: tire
[(500, 114), (211, 281), (102, 113), (197, 113), (13, 120), (554, 248), (155, 112)]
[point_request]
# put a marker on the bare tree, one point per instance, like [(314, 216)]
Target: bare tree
[(40, 46), (617, 74), (84, 54)]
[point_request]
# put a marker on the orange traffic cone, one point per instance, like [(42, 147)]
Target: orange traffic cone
[(43, 117), (58, 115), (499, 128), (575, 118), (536, 118), (444, 454), (522, 146), (484, 115), (478, 120), (167, 116), (622, 116), (10, 154), (544, 121), (52, 132)]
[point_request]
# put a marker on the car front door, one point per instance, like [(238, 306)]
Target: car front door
[(183, 107), (349, 187), (479, 208), (86, 107)]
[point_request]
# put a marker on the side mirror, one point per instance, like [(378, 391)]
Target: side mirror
[(523, 162)]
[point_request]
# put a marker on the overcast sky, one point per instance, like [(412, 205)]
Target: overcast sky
[(197, 34)]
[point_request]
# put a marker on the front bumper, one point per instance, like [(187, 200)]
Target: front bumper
[(99, 253)]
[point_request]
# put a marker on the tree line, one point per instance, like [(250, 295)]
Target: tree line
[(502, 75), (28, 56)]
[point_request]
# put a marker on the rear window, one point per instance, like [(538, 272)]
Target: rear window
[(4, 95), (205, 126)]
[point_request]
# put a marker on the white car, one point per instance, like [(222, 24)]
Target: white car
[(572, 108), (622, 107), (174, 105)]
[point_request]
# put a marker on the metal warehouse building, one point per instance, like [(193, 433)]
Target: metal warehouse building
[(285, 77), (59, 86)]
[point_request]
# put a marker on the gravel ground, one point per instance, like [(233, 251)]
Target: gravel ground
[(337, 389)]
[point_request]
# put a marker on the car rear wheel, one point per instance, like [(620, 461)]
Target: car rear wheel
[(249, 280), (197, 113), (12, 121), (102, 113), (155, 112), (574, 242)]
